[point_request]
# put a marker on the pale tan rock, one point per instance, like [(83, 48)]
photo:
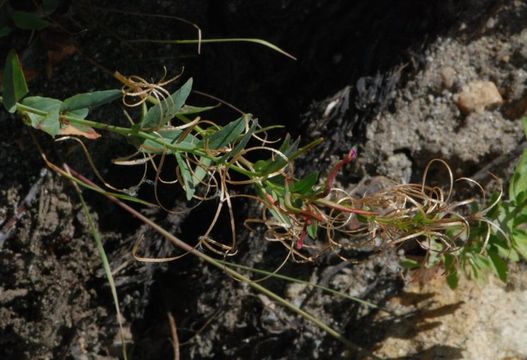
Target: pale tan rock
[(472, 323), (478, 95), (448, 77)]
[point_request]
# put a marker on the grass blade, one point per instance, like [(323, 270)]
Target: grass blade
[(106, 264), (212, 41)]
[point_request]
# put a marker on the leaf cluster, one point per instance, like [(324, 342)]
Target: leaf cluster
[(500, 239), (11, 19)]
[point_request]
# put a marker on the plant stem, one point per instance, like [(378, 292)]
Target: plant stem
[(186, 247)]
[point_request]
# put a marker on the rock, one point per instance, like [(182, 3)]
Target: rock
[(473, 322), (478, 95), (448, 77)]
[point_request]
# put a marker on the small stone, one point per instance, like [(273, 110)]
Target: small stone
[(477, 96), (448, 77)]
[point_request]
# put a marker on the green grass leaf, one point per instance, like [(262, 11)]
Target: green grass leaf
[(223, 40), (91, 100), (15, 86), (48, 122), (105, 263), (159, 115)]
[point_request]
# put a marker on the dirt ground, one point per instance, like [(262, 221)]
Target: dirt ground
[(385, 77)]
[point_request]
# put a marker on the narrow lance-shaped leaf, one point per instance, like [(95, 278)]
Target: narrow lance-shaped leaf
[(269, 166), (193, 110), (91, 100), (499, 265), (519, 239), (241, 144), (452, 273), (186, 174), (15, 86), (201, 171), (312, 230), (159, 115), (519, 178), (169, 136), (225, 135), (28, 21)]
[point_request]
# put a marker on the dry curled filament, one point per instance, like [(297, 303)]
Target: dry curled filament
[(375, 218), (309, 215), (136, 89)]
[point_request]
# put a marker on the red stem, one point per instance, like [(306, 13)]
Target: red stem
[(333, 173)]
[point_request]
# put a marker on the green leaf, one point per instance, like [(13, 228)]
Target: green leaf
[(483, 262), (201, 171), (91, 100), (225, 135), (269, 166), (170, 137), (50, 122), (283, 219), (15, 86), (524, 123), (519, 178), (452, 277), (4, 31), (28, 21), (78, 113), (305, 185), (186, 174), (499, 265), (312, 230), (503, 247), (193, 110), (409, 263), (241, 144), (519, 241), (480, 265), (159, 115)]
